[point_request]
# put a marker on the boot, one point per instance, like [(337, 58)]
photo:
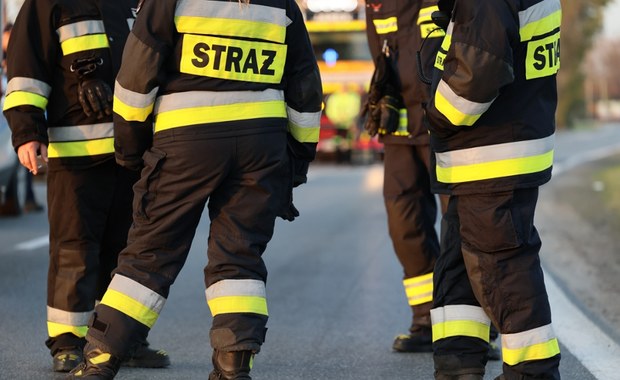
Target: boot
[(469, 376), (65, 359), (232, 365), (145, 357), (419, 339), (97, 365)]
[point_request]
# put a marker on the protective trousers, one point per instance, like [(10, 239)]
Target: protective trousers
[(246, 181), (89, 217), (412, 212), (489, 270)]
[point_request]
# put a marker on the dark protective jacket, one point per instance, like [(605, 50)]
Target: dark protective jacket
[(492, 116), (191, 68), (401, 26), (42, 95)]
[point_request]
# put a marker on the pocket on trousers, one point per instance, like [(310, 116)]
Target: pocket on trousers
[(487, 222), (146, 187)]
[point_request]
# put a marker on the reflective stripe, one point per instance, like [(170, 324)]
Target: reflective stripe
[(535, 344), (419, 289), (494, 161), (80, 148), (540, 19), (81, 28), (24, 84), (57, 329), (460, 320), (237, 296), (386, 26), (81, 132), (21, 98), (445, 45), (403, 123), (457, 109), (425, 14), (134, 300), (131, 105), (91, 42), (62, 322), (304, 126), (202, 107), (231, 19)]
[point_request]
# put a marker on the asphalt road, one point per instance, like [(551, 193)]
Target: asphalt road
[(334, 290)]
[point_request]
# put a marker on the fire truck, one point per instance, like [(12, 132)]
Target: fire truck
[(337, 31)]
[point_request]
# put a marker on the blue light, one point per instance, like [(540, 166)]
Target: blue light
[(330, 56)]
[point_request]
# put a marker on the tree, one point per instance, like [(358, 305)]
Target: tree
[(581, 21)]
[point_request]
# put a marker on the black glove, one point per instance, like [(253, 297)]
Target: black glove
[(95, 97), (290, 213), (372, 112), (389, 120)]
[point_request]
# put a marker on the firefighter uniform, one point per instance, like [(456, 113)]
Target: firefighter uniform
[(220, 102), (492, 129), (395, 31), (89, 195)]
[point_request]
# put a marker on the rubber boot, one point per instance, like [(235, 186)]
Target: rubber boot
[(97, 365), (420, 337), (231, 365)]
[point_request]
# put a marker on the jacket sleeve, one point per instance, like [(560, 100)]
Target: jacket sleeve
[(31, 54), (137, 84), (477, 65), (303, 91)]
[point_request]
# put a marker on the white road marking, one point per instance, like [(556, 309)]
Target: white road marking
[(29, 245)]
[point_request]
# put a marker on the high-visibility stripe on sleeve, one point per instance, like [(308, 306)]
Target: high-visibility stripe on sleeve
[(419, 289), (304, 126), (131, 105), (32, 85), (21, 98), (237, 296), (80, 28), (535, 344), (458, 110), (134, 300), (540, 19), (460, 320), (84, 43), (226, 18), (425, 14), (385, 26), (66, 322)]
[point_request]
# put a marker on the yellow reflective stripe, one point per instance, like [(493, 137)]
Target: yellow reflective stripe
[(537, 351), (22, 98), (238, 304), (385, 26), (101, 358), (451, 113), (56, 329), (130, 307), (225, 58), (472, 329), (543, 57), (221, 113), (83, 43), (304, 134), (80, 148), (425, 14), (540, 27), (131, 113), (457, 109), (445, 45), (419, 289), (231, 27), (431, 31), (495, 169)]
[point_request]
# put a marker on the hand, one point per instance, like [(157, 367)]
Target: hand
[(95, 97), (389, 119), (373, 119), (289, 214), (27, 154)]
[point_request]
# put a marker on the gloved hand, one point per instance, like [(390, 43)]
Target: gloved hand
[(95, 97), (290, 213), (300, 172), (389, 118)]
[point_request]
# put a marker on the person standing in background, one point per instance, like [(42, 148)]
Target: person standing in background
[(63, 56)]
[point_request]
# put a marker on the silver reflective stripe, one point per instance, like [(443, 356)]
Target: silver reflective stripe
[(459, 313), (528, 338), (81, 132), (463, 105), (29, 85), (304, 119), (79, 29), (138, 292), (232, 10), (191, 99), (227, 288), (491, 153), (134, 99), (538, 11), (68, 317)]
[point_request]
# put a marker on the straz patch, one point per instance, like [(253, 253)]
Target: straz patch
[(225, 58), (543, 57)]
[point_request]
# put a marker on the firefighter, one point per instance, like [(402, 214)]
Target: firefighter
[(63, 56), (491, 119), (219, 103)]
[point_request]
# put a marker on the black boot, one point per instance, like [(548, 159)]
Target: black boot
[(231, 365), (97, 365), (146, 357), (420, 337), (469, 376)]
